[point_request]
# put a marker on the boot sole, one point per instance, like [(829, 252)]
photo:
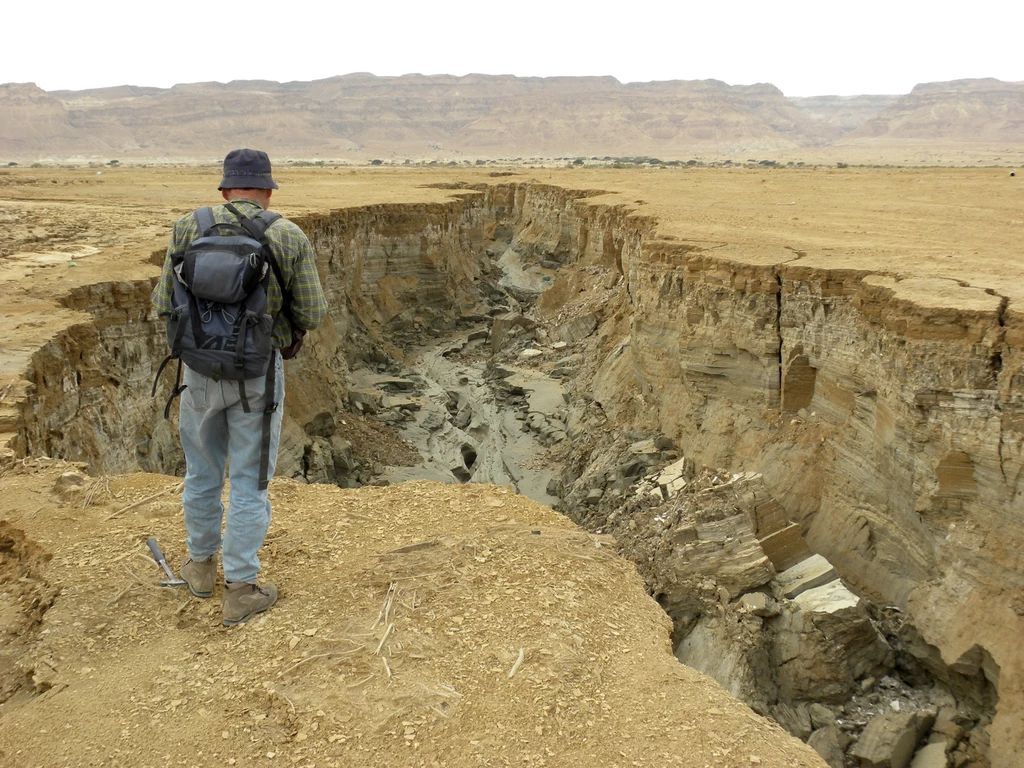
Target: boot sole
[(197, 593)]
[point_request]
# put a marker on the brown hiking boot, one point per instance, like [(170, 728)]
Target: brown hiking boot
[(242, 601), (200, 575)]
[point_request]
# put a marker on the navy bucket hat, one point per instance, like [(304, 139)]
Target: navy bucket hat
[(247, 169)]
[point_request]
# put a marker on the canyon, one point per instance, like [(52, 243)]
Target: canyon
[(728, 370)]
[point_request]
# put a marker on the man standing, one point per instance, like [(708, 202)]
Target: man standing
[(222, 421)]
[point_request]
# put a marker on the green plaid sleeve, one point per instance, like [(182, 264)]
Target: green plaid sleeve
[(298, 265)]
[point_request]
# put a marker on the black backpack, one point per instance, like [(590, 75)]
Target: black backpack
[(219, 325)]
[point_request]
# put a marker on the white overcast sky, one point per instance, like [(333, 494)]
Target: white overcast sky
[(804, 48)]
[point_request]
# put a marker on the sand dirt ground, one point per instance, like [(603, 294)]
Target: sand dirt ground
[(403, 615), (404, 609)]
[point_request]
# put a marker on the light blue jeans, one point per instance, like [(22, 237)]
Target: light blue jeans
[(215, 430)]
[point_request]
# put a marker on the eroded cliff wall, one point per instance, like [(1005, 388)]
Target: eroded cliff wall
[(884, 413), (386, 270)]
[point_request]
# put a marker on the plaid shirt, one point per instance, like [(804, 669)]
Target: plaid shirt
[(293, 252)]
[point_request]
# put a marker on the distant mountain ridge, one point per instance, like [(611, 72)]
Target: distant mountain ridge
[(847, 113), (360, 116), (985, 110)]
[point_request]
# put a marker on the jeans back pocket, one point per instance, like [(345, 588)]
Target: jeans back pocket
[(194, 395)]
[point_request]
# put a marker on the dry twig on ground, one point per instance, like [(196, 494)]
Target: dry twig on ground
[(140, 502)]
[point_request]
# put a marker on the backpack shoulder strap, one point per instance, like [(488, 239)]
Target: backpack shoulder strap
[(257, 227), (204, 219), (265, 219), (286, 299), (269, 217)]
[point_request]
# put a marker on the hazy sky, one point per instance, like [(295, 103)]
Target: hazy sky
[(804, 48)]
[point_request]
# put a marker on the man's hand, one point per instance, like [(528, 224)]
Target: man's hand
[(298, 336)]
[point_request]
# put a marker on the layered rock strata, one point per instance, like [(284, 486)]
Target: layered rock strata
[(884, 413)]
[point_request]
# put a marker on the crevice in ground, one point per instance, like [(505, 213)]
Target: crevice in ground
[(778, 335), (996, 355), (519, 337)]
